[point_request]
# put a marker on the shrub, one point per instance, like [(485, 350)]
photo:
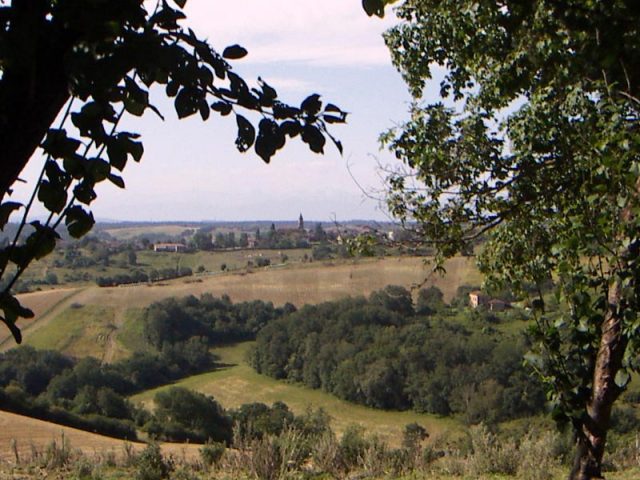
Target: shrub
[(353, 446), (212, 452), (151, 465)]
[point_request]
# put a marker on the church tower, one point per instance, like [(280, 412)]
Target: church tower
[(301, 223)]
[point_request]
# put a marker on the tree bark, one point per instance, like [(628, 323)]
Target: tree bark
[(592, 438)]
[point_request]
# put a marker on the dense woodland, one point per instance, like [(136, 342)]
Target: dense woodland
[(90, 395), (382, 353)]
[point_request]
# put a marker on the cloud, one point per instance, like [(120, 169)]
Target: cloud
[(327, 33)]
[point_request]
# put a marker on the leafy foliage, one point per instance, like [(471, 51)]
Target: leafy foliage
[(377, 353), (535, 140), (218, 320), (101, 61)]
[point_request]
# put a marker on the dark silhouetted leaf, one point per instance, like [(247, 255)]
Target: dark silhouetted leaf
[(374, 7), (270, 139), (78, 221), (58, 144), (84, 192), (52, 195), (116, 180), (311, 105), (313, 137), (291, 128), (186, 103), (246, 134), (234, 52), (203, 108), (42, 241), (117, 153), (6, 209), (282, 111), (223, 107), (330, 107)]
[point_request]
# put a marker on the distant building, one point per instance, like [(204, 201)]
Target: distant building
[(496, 305), (477, 298), (301, 223), (169, 247)]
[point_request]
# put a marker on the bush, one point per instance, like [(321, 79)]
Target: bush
[(353, 446), (151, 465), (212, 452)]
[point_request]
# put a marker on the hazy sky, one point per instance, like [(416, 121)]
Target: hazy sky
[(191, 169)]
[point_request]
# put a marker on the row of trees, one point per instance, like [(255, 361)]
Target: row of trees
[(139, 276)]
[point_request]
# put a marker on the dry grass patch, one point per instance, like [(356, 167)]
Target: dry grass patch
[(27, 434)]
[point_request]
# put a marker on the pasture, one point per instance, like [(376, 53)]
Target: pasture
[(238, 383), (58, 312)]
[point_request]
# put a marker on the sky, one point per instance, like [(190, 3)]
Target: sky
[(191, 170)]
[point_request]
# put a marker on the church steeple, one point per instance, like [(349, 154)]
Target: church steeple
[(301, 223)]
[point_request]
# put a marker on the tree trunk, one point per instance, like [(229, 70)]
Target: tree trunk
[(33, 87), (593, 436)]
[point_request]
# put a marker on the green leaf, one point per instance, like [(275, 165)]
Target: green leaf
[(622, 378), (234, 52), (78, 221)]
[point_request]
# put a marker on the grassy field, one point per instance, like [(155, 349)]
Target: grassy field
[(127, 233), (30, 434), (239, 383), (298, 283)]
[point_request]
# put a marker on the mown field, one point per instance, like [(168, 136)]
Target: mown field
[(147, 260), (103, 321), (30, 435), (238, 383)]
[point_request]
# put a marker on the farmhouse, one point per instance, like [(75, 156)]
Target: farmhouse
[(169, 247), (496, 305), (477, 298)]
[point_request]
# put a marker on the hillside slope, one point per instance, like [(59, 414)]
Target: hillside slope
[(29, 434), (97, 333)]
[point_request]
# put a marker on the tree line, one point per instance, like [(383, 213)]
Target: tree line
[(385, 353)]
